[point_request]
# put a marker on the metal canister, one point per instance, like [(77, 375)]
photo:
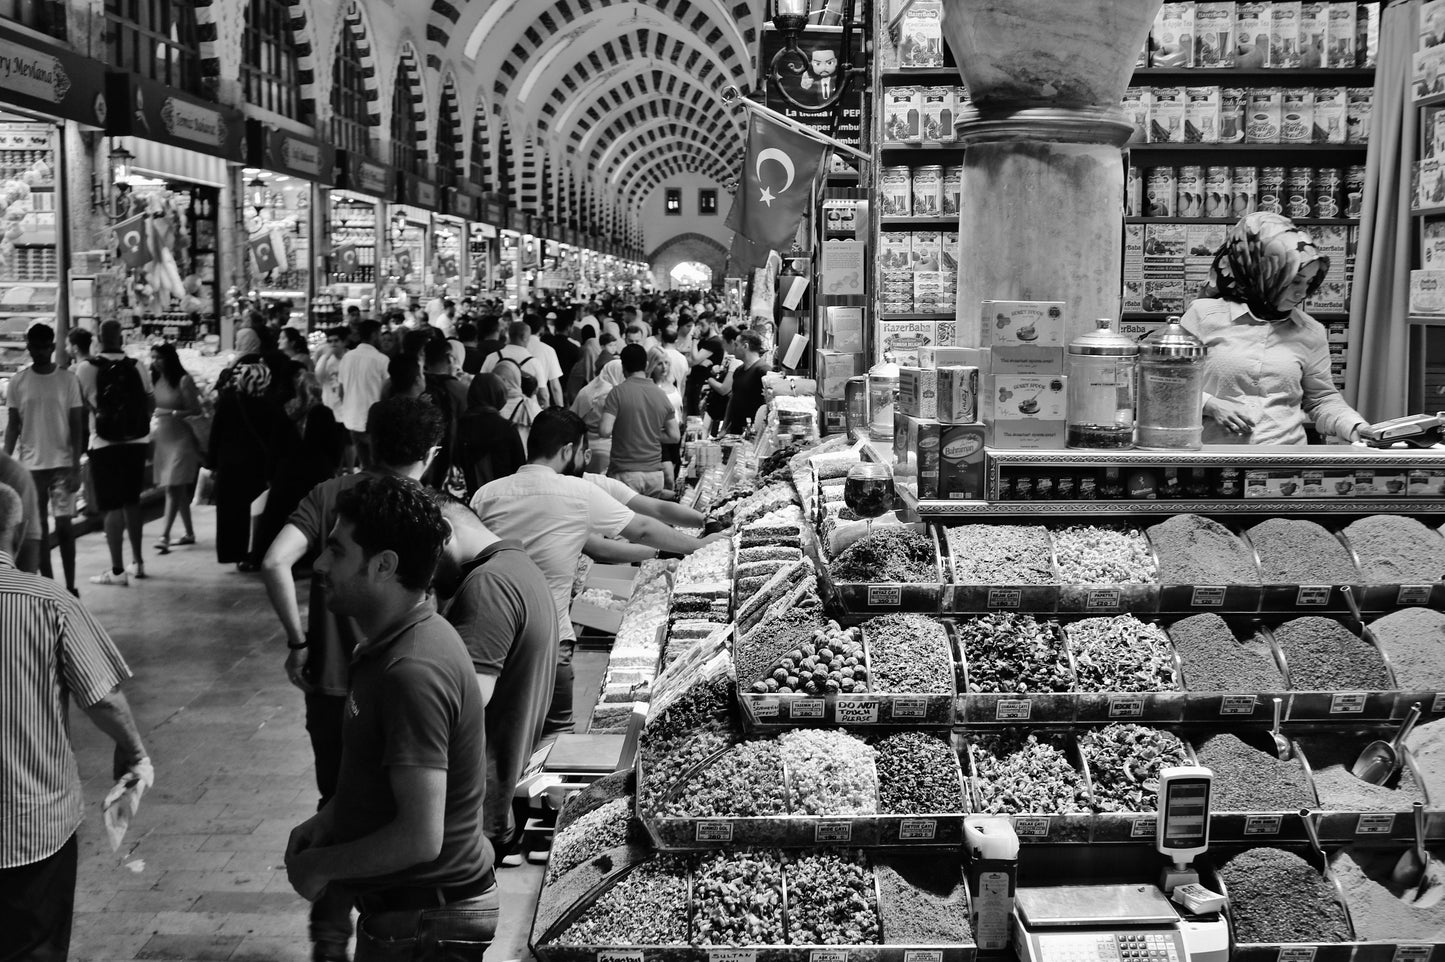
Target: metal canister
[(895, 192), (1354, 187), (1271, 189), (1189, 191), (1325, 192), (1218, 192), (1159, 188), (1245, 183), (952, 189), (1297, 184), (928, 191)]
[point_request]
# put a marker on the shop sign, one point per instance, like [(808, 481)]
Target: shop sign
[(419, 192), (152, 111), (288, 153), (494, 209), (364, 176), (517, 220), (51, 79)]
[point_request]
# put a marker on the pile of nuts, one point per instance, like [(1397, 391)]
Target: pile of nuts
[(917, 775), (831, 900), (738, 899)]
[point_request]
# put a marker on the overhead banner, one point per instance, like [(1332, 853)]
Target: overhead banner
[(364, 176), (820, 45), (288, 153), (152, 111), (40, 76)]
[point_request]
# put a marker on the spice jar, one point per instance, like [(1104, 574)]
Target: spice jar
[(1171, 390), (1101, 389), (856, 396), (882, 393)]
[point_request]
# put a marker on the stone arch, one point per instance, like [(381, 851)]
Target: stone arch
[(410, 76), (304, 46), (449, 126), (688, 247), (357, 22)]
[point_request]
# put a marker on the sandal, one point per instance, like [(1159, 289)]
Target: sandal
[(163, 545), (184, 540)]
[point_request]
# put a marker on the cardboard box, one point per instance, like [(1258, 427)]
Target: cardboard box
[(1297, 120), (1251, 35), (1263, 115), (1427, 292), (918, 392), (920, 38), (1359, 110), (1136, 108), (961, 462), (1313, 26), (1022, 323), (901, 340), (1284, 34), (1340, 34), (1172, 40), (1214, 34), (915, 451), (1201, 115), (1166, 115), (942, 355), (619, 581), (1427, 76), (1331, 109), (1025, 360), (957, 401), (1026, 413), (834, 370), (1233, 106)]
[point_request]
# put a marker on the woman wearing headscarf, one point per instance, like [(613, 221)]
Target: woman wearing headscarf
[(490, 445), (307, 448), (588, 407), (242, 455), (586, 367), (1267, 371)]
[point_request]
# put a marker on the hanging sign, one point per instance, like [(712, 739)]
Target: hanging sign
[(288, 153), (418, 192), (821, 46), (364, 176), (152, 111), (40, 76)]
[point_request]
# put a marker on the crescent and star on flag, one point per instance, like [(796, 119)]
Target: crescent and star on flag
[(781, 158)]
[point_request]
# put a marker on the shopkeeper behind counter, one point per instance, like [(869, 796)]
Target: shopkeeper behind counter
[(1268, 368)]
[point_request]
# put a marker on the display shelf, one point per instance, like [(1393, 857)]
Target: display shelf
[(906, 75), (1324, 317), (893, 146), (907, 316), (1217, 149), (900, 220), (1241, 77), (1231, 221)]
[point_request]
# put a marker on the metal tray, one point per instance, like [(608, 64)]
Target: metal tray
[(1011, 708), (971, 598), (882, 597), (1335, 707)]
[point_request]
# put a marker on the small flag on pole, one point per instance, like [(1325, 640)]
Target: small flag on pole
[(130, 237), (779, 177)]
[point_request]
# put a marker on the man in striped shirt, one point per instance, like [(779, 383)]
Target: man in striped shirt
[(51, 651)]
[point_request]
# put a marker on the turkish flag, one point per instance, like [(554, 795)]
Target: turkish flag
[(346, 260), (745, 257), (779, 175), (130, 237), (265, 254)]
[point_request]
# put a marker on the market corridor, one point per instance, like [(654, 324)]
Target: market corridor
[(199, 875)]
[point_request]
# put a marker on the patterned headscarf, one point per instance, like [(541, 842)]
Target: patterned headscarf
[(252, 380), (1261, 257)]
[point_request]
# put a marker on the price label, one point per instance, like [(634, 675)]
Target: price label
[(1013, 709), (620, 955), (923, 955), (1126, 706), (1263, 824), (1143, 827), (885, 596), (1413, 953), (1347, 703), (1238, 704), (833, 832), (1297, 953), (828, 955), (713, 831), (1375, 823), (1005, 598), (1413, 595), (857, 711), (732, 955), (1034, 826), (917, 829), (1313, 596), (1438, 705), (1207, 596), (908, 706), (1102, 599), (765, 707), (805, 708)]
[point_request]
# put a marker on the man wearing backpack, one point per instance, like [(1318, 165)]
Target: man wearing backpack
[(515, 365), (117, 391)]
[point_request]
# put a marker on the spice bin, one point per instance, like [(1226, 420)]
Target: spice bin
[(1207, 700), (1387, 595), (967, 597), (1241, 951), (1346, 706), (859, 597)]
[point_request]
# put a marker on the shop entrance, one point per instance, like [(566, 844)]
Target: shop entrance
[(690, 276)]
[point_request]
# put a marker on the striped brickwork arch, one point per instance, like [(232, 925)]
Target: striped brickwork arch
[(631, 150), (450, 142), (207, 15), (352, 28), (723, 142), (479, 151)]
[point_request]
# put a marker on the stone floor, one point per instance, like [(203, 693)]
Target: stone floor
[(199, 875)]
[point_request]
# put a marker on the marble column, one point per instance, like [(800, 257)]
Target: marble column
[(1041, 215)]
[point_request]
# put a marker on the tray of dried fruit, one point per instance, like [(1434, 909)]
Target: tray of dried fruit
[(1304, 567), (1105, 570), (1229, 670), (1401, 562), (1335, 673), (1036, 777), (1124, 670), (893, 568), (1016, 670), (1204, 566), (1355, 810), (999, 567), (768, 905), (1122, 762), (1283, 904), (892, 670), (802, 788)]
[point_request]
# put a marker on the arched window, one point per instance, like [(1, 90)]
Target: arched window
[(448, 153), (405, 151), (156, 39), (350, 105), (270, 77), (480, 164), (504, 162)]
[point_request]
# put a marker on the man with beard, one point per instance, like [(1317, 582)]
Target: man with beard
[(548, 507)]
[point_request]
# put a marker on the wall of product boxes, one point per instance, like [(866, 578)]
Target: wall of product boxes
[(1427, 184), (1282, 34)]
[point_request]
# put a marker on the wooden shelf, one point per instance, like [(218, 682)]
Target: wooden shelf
[(1302, 221), (898, 220), (1249, 148), (1197, 76), (884, 316), (1435, 211), (1427, 320), (1324, 317), (955, 150)]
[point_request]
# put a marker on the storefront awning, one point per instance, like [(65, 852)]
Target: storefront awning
[(39, 76), (286, 153), (357, 173), (152, 111)]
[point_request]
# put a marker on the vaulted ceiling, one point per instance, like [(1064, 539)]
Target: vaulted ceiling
[(625, 92)]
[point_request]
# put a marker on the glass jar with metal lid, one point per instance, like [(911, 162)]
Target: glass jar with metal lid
[(1171, 389), (1101, 389)]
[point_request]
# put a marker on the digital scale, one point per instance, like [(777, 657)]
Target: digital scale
[(1132, 922)]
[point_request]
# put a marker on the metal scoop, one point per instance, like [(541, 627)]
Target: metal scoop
[(1349, 595), (1381, 759), (1312, 829), (1422, 878), (1282, 748)]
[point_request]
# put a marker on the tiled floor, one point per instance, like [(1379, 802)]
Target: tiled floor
[(199, 876)]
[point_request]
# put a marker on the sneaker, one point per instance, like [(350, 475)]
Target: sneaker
[(137, 571), (511, 860), (110, 578)]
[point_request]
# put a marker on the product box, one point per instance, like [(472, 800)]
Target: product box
[(1134, 251), (1367, 34), (1251, 35), (1427, 183), (1166, 115), (901, 340), (1160, 192), (1297, 121), (1340, 35), (1359, 108), (1165, 246), (1233, 106), (1189, 194), (1133, 193), (1264, 115), (961, 462), (1022, 323), (927, 247), (1427, 76), (1432, 24), (1245, 181), (935, 292), (918, 392), (1432, 249), (1201, 115), (1284, 34), (1136, 108), (948, 259), (938, 114), (1172, 40), (915, 451), (617, 580), (1163, 295), (1024, 359), (895, 251), (957, 394), (834, 370), (945, 355), (1313, 25), (1330, 109), (1427, 292), (1024, 412), (1218, 192), (920, 37), (1214, 34), (903, 115)]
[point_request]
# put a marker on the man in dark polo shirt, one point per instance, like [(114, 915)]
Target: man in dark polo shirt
[(502, 607), (403, 832)]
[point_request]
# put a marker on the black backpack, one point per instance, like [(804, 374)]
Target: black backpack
[(529, 381), (121, 411)]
